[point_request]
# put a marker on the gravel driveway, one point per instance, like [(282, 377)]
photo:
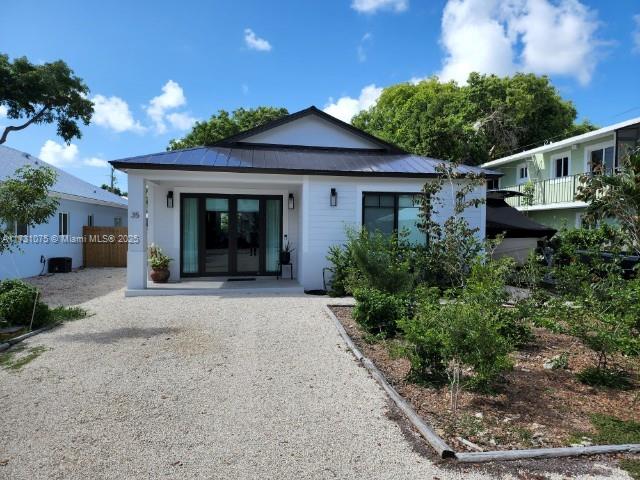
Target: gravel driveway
[(208, 387)]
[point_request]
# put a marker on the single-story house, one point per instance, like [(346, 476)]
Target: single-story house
[(81, 203), (228, 209)]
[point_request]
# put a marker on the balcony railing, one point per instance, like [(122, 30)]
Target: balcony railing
[(545, 192)]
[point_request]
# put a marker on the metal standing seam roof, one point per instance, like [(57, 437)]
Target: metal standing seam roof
[(66, 184), (291, 159)]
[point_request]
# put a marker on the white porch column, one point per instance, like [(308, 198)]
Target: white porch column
[(137, 251)]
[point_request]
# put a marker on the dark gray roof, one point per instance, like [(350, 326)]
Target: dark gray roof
[(260, 158), (67, 184)]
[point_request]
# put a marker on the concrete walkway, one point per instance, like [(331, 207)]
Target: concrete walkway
[(209, 387)]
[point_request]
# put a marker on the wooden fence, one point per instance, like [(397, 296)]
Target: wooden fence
[(104, 246)]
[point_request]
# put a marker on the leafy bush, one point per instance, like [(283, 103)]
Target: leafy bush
[(605, 377), (16, 304), (466, 331), (378, 311), (342, 268), (567, 241)]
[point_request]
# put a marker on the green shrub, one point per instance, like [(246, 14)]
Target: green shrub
[(16, 304), (342, 268), (465, 331), (378, 311), (568, 240), (604, 377)]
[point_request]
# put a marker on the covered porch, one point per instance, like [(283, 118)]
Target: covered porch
[(224, 231)]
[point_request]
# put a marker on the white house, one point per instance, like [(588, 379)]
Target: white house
[(228, 209), (80, 204)]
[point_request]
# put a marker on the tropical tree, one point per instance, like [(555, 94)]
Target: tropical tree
[(616, 196), (49, 93), (25, 199), (487, 118), (225, 124)]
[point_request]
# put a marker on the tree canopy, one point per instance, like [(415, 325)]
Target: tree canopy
[(489, 117), (225, 124), (46, 93)]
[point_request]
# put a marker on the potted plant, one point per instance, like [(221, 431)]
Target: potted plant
[(285, 254), (159, 263)]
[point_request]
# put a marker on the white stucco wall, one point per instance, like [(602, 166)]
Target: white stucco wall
[(311, 131), (323, 225), (25, 262)]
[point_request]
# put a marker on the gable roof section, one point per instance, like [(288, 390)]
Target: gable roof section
[(244, 137), (585, 137), (66, 184), (277, 159)]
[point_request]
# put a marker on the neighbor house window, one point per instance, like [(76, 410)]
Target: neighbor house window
[(393, 212), (493, 184), (117, 221), (19, 228), (523, 173), (63, 223), (601, 160), (562, 167), (90, 220)]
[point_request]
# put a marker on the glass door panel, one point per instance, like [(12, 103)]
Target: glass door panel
[(190, 235), (273, 234), (216, 241), (248, 235)]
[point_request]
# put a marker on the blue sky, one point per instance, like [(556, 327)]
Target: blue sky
[(155, 66)]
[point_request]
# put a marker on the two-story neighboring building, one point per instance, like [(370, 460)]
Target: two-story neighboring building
[(550, 174)]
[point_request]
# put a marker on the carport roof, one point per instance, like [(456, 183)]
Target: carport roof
[(294, 159)]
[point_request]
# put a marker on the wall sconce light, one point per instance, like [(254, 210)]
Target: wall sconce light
[(333, 199), (170, 199), (291, 202)]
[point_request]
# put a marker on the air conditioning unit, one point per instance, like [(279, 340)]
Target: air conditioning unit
[(60, 265)]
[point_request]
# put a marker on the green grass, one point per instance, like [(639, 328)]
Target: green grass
[(611, 430), (632, 467), (18, 358), (67, 314), (595, 377)]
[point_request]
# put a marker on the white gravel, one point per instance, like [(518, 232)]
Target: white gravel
[(207, 387)]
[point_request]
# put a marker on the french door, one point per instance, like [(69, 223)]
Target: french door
[(230, 234)]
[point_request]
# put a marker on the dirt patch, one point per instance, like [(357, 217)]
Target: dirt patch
[(536, 408)]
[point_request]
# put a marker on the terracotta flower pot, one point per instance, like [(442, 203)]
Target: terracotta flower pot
[(160, 276)]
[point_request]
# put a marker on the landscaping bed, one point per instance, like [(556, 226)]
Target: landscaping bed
[(535, 407)]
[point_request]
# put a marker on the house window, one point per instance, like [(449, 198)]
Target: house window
[(493, 184), (523, 173), (562, 167), (389, 212), (117, 221), (18, 228), (63, 223), (602, 160), (90, 220)]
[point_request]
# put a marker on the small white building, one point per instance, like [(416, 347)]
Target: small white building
[(80, 204), (227, 210)]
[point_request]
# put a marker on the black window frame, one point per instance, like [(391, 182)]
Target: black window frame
[(396, 206)]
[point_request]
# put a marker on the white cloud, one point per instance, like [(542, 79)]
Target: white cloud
[(636, 34), (346, 107), (58, 154), (95, 162), (3, 111), (254, 42), (373, 6), (172, 97), (361, 50), (114, 113), (505, 36), (181, 120)]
